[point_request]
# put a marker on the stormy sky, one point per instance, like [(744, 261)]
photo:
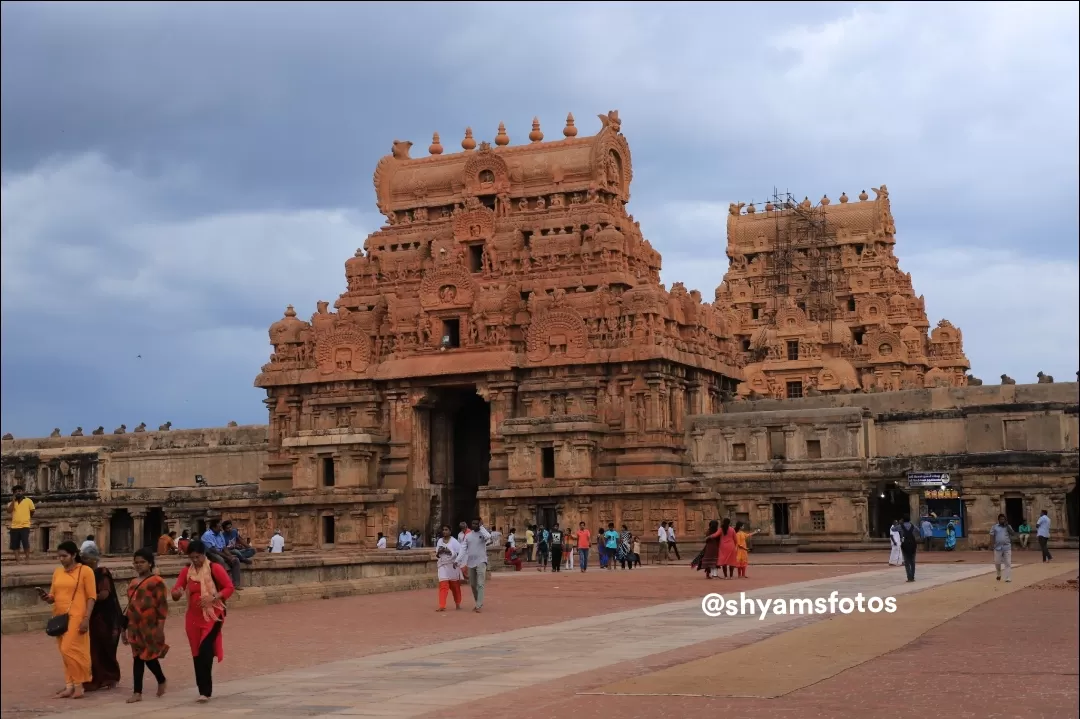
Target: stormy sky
[(175, 174)]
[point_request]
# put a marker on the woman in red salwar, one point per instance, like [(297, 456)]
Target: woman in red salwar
[(728, 549), (207, 586)]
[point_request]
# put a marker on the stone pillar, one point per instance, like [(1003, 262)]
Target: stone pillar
[(759, 441), (138, 526), (501, 396), (421, 447), (726, 453), (791, 448), (862, 524), (764, 518), (854, 446), (652, 411)]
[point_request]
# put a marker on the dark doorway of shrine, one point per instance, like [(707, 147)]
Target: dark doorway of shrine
[(1072, 511), (121, 532), (469, 447), (153, 527), (887, 503)]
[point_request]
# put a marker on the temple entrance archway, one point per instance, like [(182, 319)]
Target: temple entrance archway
[(121, 532), (460, 451), (887, 502)]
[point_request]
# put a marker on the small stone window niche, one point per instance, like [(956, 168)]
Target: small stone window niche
[(738, 452), (817, 520), (813, 449), (547, 462)]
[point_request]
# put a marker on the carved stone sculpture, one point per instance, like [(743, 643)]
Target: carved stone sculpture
[(99, 431), (141, 427), (55, 432), (1045, 378), (8, 435), (77, 432), (165, 427), (121, 429), (974, 381), (1006, 379)]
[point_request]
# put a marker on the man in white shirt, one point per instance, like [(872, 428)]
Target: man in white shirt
[(672, 546), (404, 540), (476, 558), (662, 539), (495, 538), (511, 539), (277, 543), (88, 544), (1042, 530), (381, 542)]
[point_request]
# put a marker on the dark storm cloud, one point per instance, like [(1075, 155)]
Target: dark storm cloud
[(175, 173)]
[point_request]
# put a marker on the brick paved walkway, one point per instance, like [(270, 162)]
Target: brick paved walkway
[(415, 682), (263, 640)]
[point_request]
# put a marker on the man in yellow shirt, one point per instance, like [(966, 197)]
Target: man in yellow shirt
[(22, 510)]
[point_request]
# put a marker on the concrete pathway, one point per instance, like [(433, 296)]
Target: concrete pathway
[(414, 682)]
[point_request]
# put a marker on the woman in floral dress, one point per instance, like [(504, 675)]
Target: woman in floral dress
[(148, 606)]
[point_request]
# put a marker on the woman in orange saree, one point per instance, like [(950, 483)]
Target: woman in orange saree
[(742, 548), (73, 593)]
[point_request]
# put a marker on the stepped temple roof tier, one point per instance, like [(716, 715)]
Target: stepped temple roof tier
[(816, 301), (499, 257)]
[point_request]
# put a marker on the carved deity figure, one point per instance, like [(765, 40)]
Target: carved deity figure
[(423, 329), (1006, 379), (1045, 378), (541, 203)]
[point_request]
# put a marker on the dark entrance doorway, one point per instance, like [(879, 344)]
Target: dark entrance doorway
[(153, 527), (781, 513), (466, 443), (546, 516), (1072, 511), (1014, 512), (887, 504), (121, 532)]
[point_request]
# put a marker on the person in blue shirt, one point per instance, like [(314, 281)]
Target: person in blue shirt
[(611, 544), (235, 544), (215, 542)]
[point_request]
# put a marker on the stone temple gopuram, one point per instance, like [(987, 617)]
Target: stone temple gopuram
[(817, 303), (505, 329), (504, 348)]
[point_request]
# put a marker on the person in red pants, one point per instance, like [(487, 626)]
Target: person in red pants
[(449, 556), (510, 556)]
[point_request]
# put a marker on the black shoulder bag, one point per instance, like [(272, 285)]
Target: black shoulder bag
[(58, 625)]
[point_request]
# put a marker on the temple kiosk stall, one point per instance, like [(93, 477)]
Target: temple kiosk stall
[(940, 501)]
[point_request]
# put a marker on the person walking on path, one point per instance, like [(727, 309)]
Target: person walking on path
[(909, 545), (207, 586), (448, 557), (611, 545), (106, 626), (147, 609), (662, 540), (22, 511), (72, 594), (530, 542), (673, 546), (557, 539), (728, 549), (927, 533), (1042, 529), (708, 556), (543, 548), (896, 559), (476, 558), (1001, 536), (584, 544)]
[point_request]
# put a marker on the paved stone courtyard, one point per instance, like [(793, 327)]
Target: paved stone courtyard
[(567, 644)]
